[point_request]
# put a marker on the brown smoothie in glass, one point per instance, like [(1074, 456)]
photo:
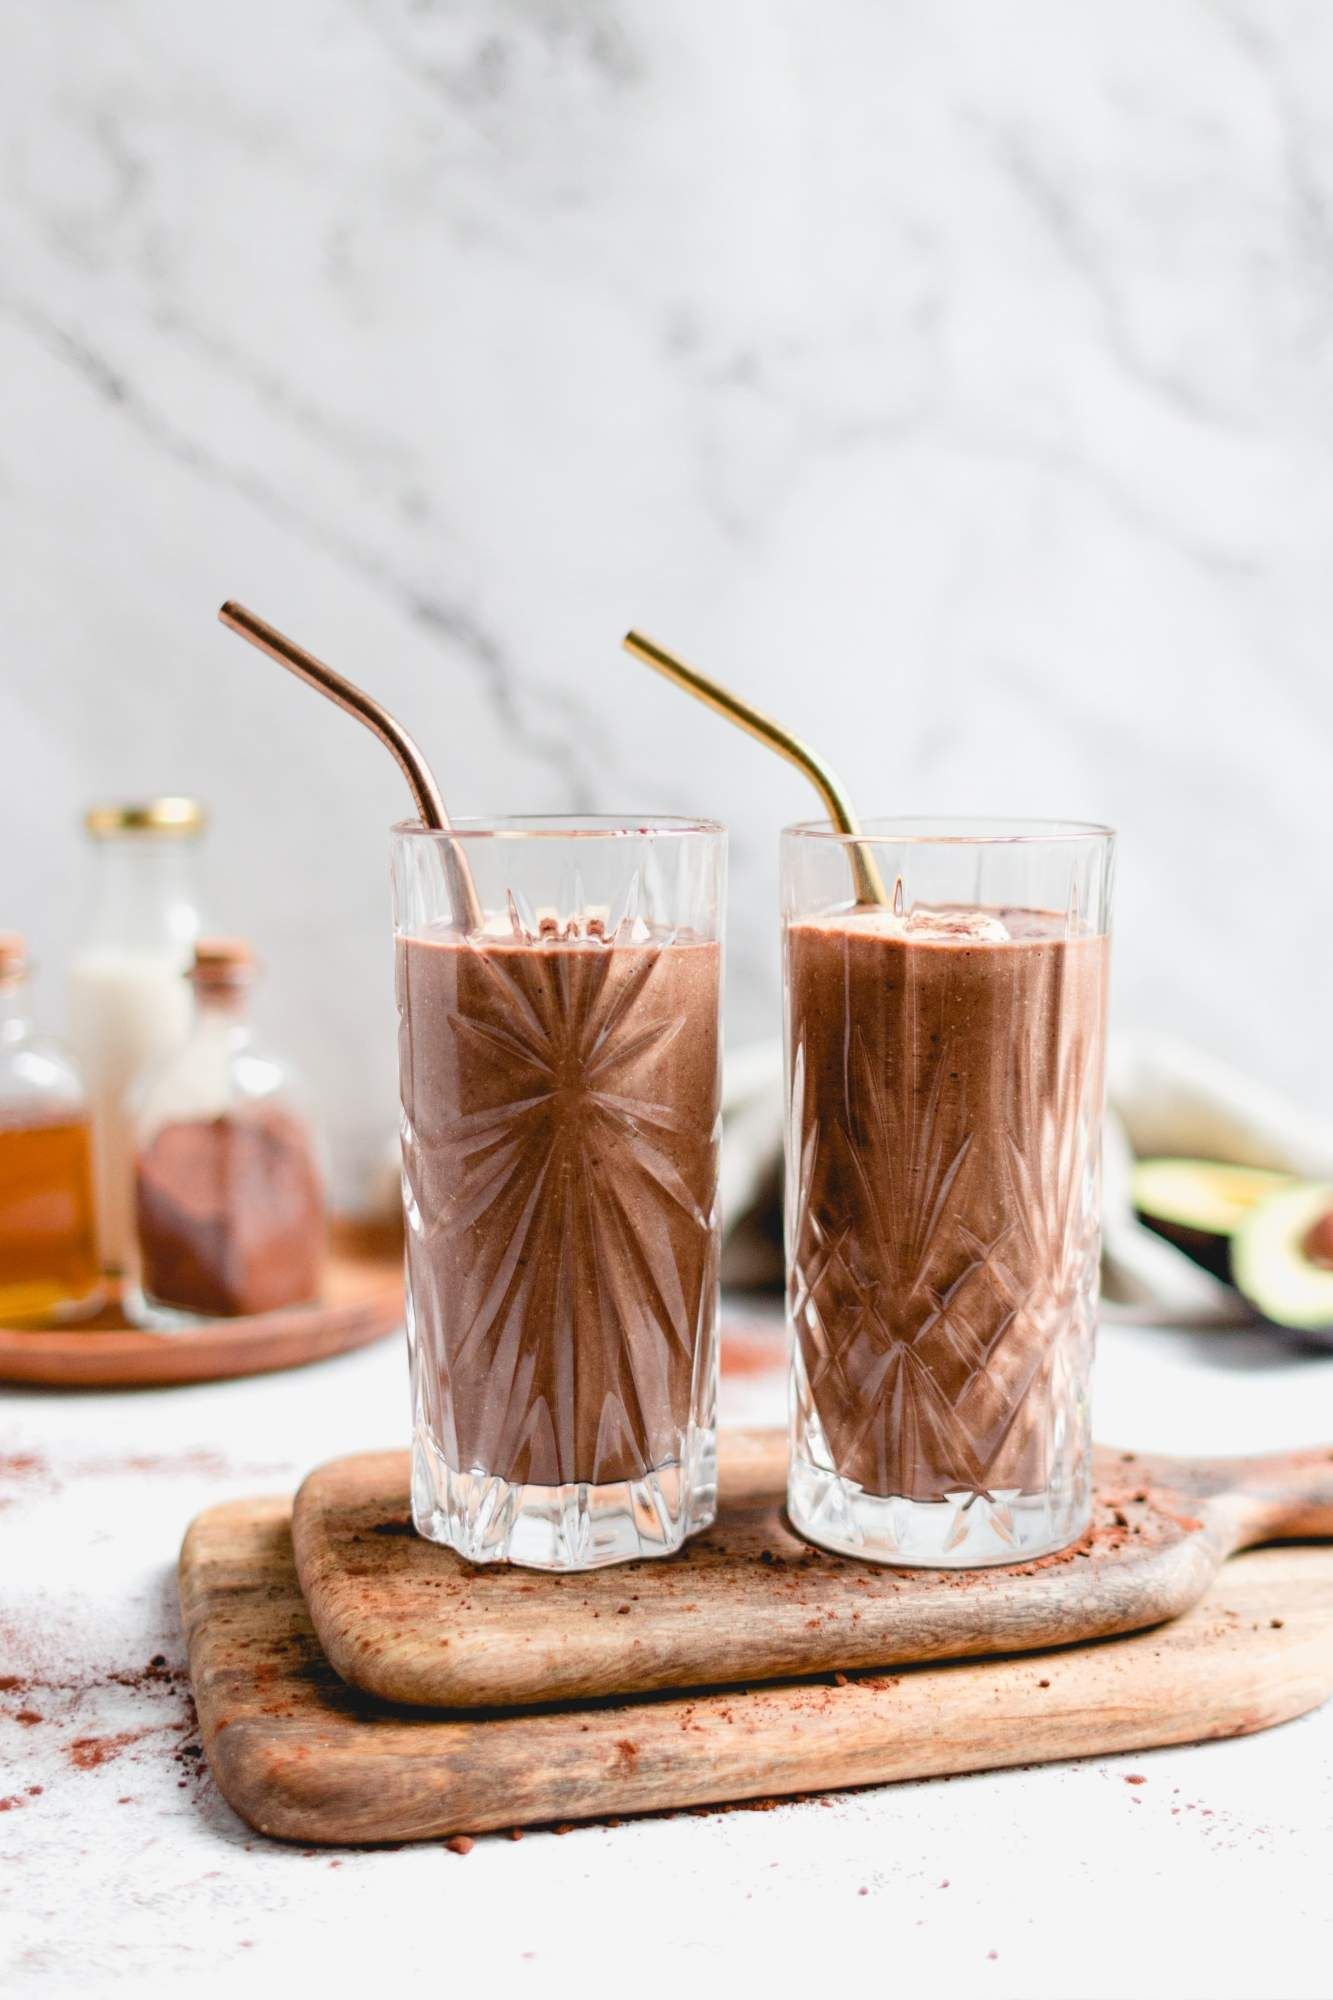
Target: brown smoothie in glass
[(561, 1103), (945, 1096)]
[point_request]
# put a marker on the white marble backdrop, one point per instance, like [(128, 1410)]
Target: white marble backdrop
[(956, 377)]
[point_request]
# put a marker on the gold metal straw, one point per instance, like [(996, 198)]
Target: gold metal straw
[(869, 887), (356, 702)]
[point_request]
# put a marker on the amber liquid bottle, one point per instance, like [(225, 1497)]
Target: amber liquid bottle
[(48, 1254)]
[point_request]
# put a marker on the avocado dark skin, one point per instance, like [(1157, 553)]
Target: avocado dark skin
[(1212, 1252)]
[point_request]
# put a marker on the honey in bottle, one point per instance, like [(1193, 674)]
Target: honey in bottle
[(48, 1251)]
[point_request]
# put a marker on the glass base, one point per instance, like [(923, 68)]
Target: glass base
[(486, 1519), (154, 1317), (962, 1531), (39, 1303)]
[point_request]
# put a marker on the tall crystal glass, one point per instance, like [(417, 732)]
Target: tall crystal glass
[(560, 1079), (945, 1061)]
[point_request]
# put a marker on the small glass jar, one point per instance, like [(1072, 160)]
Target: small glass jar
[(128, 1005), (48, 1255), (228, 1189)]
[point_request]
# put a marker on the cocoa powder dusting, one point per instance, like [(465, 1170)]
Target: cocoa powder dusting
[(89, 1753)]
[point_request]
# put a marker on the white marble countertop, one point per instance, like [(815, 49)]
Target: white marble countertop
[(122, 1866)]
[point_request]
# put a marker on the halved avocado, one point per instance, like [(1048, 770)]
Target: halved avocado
[(1199, 1204), (1283, 1258)]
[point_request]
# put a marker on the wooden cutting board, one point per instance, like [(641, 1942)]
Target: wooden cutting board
[(363, 1301), (302, 1756), (407, 1621)]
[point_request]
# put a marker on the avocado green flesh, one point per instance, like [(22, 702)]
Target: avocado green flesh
[(1272, 1267), (1198, 1204)]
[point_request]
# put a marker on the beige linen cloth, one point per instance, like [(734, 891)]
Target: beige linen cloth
[(1163, 1097)]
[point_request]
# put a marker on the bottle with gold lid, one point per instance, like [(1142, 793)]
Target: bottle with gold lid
[(228, 1185), (48, 1257), (128, 1003)]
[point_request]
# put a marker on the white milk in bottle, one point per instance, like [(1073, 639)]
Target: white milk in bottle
[(129, 1003)]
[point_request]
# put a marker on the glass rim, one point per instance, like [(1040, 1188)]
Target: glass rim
[(561, 826), (964, 830)]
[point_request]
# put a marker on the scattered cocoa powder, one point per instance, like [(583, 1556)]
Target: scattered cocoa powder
[(89, 1753), (742, 1354), (460, 1843)]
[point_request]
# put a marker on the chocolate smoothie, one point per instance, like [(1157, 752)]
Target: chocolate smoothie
[(560, 1141), (946, 1097)]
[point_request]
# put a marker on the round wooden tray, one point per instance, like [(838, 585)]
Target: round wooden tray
[(363, 1301)]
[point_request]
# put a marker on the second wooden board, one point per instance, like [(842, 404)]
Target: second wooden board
[(407, 1621), (300, 1755)]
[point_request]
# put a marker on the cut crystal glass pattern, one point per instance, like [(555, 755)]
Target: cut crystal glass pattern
[(943, 1164), (560, 1134)]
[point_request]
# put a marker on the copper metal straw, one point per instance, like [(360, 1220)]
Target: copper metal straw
[(356, 702), (869, 886)]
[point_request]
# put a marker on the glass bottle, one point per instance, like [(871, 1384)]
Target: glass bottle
[(48, 1256), (228, 1189), (128, 1004)]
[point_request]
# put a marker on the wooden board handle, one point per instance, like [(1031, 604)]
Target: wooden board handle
[(1282, 1496)]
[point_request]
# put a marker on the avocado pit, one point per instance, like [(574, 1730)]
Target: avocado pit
[(1318, 1244)]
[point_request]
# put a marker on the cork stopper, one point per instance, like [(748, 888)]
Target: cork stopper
[(222, 965), (13, 957)]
